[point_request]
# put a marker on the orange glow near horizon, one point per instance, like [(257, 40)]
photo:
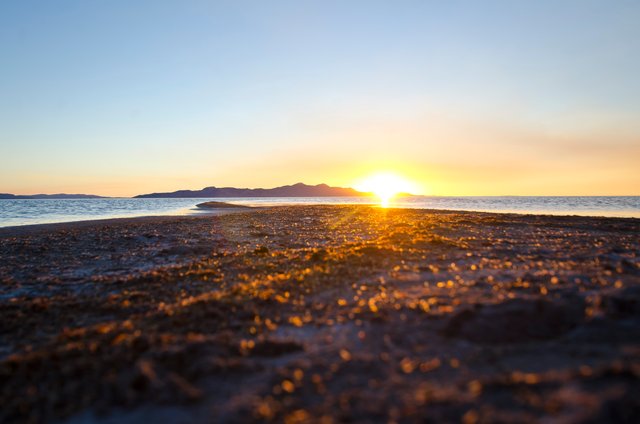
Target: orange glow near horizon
[(386, 185)]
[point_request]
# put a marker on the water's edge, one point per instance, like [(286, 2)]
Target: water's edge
[(14, 212)]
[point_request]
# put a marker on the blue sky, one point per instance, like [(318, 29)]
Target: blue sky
[(463, 97)]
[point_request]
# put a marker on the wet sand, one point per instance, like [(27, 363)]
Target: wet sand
[(322, 314)]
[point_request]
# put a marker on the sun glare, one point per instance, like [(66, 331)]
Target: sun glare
[(386, 186)]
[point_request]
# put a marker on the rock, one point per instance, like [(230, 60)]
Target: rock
[(516, 321), (221, 205)]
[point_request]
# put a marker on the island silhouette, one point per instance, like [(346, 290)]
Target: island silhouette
[(8, 196), (295, 190)]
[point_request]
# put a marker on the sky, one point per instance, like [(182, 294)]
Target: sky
[(471, 97)]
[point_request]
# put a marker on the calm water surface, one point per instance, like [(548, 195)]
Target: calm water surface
[(39, 211)]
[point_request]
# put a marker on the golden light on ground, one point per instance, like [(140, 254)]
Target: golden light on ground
[(386, 185)]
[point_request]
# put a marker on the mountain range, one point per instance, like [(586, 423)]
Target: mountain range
[(49, 196), (296, 190)]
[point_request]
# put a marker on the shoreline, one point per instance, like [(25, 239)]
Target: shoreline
[(13, 214), (330, 312), (221, 211), (46, 226)]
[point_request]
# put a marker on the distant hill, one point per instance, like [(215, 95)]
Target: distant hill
[(296, 190), (49, 196)]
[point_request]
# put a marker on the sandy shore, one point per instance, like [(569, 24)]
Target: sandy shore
[(322, 314)]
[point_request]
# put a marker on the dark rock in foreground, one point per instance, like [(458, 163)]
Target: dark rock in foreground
[(517, 321)]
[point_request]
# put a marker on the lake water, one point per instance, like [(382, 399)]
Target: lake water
[(39, 211)]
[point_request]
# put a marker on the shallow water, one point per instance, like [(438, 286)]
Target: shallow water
[(39, 211)]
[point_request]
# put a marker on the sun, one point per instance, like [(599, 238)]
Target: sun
[(386, 185)]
